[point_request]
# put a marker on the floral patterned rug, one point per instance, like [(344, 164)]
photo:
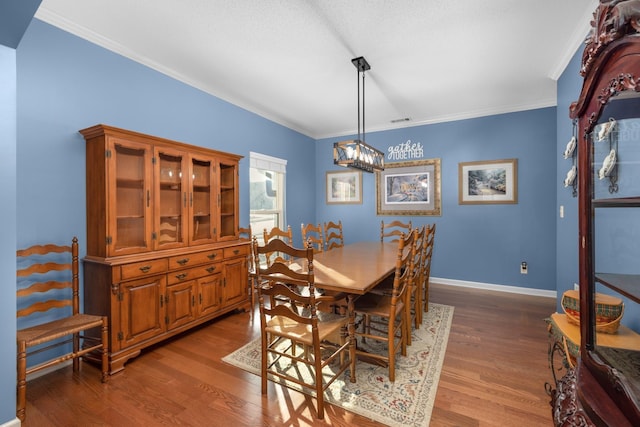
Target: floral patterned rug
[(406, 402)]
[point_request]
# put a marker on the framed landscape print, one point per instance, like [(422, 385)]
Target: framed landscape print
[(344, 187), (409, 188), (488, 182)]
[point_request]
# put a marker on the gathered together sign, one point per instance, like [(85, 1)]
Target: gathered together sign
[(405, 151)]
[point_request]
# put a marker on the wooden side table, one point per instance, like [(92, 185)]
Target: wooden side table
[(564, 341)]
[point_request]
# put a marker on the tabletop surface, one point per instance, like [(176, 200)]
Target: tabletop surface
[(354, 268)]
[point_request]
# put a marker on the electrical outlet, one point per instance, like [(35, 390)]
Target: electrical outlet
[(524, 268)]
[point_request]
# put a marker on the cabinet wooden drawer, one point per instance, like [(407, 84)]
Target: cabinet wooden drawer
[(144, 268), (235, 251), (195, 258), (193, 273)]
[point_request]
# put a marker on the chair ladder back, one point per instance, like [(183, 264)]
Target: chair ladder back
[(276, 233), (245, 233), (333, 236), (42, 269), (426, 269), (416, 280), (404, 266), (312, 233), (392, 231)]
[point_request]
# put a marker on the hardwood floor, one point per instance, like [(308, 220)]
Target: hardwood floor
[(494, 373)]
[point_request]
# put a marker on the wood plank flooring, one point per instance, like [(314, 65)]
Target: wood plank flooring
[(494, 373)]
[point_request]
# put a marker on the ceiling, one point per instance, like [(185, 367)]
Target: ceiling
[(290, 60)]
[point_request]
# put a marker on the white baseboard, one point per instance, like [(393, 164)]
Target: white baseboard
[(13, 423), (493, 287)]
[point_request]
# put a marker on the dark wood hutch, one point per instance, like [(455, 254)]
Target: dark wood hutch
[(604, 387)]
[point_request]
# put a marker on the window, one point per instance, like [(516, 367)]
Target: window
[(266, 193)]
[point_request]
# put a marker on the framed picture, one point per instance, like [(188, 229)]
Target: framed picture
[(409, 188), (344, 187), (488, 182)]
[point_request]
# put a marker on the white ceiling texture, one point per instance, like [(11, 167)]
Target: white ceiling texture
[(290, 60)]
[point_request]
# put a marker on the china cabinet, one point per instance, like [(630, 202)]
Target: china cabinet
[(163, 251), (604, 387)]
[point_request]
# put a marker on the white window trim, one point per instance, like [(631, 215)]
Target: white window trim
[(262, 161)]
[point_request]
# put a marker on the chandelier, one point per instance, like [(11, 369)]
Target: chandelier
[(356, 153)]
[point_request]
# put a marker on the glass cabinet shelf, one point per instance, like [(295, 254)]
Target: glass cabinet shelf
[(625, 284), (621, 202)]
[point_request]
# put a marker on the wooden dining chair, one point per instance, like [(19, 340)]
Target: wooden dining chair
[(245, 233), (426, 263), (384, 317), (333, 237), (276, 233), (415, 291), (294, 336), (312, 233), (48, 288), (390, 232)]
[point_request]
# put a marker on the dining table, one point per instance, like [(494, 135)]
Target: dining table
[(354, 269)]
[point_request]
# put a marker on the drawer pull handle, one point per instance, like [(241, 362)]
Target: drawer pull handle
[(236, 251), (145, 269), (211, 269), (181, 276), (183, 261), (211, 256)]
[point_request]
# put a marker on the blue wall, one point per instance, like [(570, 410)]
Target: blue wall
[(8, 241), (478, 243), (569, 86)]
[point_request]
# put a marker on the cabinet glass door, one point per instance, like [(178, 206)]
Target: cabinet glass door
[(170, 198), (130, 230), (202, 227), (228, 201), (616, 247)]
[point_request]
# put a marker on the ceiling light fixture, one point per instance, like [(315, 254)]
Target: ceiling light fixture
[(356, 153)]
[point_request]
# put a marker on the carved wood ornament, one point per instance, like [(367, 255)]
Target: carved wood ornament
[(567, 412), (612, 21)]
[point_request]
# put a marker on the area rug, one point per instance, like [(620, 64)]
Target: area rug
[(406, 402)]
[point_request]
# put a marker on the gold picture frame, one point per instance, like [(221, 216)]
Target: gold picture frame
[(344, 187), (409, 188), (488, 182)]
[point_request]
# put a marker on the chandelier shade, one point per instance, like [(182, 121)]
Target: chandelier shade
[(356, 153)]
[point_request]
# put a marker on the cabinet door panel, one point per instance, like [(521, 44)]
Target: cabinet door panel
[(129, 178), (228, 200), (142, 309), (210, 293), (202, 227), (181, 304), (170, 201), (235, 282)]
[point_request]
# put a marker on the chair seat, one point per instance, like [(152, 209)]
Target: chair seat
[(301, 333), (376, 305), (55, 329)]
